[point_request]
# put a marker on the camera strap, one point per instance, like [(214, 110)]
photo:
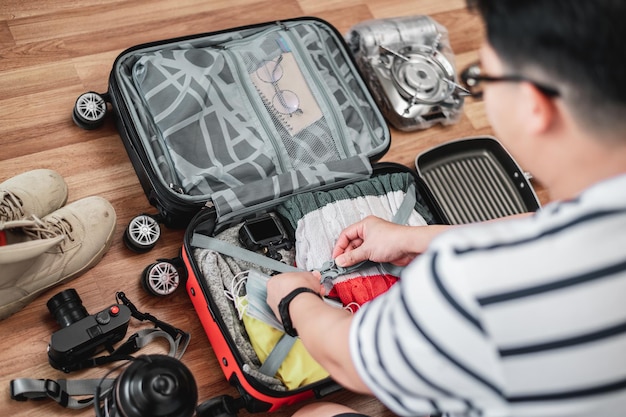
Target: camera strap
[(61, 390), (177, 338), (135, 342)]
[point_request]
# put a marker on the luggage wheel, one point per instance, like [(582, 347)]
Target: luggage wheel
[(142, 233), (160, 278), (89, 110)]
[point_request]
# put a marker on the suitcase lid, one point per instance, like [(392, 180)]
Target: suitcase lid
[(476, 179), (216, 111)]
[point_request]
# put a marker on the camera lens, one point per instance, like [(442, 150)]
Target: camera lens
[(67, 307)]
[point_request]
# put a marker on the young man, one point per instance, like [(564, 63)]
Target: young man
[(518, 317)]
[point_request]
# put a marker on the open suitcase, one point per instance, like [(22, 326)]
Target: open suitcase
[(463, 181), (224, 127)]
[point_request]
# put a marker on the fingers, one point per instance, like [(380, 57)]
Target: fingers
[(352, 257), (349, 239)]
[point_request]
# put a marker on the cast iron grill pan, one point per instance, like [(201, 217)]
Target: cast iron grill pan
[(476, 179)]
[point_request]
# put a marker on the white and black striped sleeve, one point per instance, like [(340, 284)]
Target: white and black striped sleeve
[(421, 347), (516, 318)]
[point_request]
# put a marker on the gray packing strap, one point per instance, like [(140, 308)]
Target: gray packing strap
[(277, 355), (225, 248), (402, 217), (60, 390), (392, 269), (406, 207), (142, 338)]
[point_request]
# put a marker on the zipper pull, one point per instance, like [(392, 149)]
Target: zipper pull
[(330, 270), (176, 188), (328, 273)]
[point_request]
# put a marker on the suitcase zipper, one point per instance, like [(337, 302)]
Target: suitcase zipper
[(330, 270)]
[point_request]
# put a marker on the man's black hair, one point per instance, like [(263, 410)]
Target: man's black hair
[(579, 45)]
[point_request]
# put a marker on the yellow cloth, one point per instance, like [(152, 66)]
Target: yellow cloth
[(298, 369)]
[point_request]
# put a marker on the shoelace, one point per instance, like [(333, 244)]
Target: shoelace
[(50, 228), (10, 206)]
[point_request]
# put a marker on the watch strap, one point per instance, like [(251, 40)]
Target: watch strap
[(283, 309)]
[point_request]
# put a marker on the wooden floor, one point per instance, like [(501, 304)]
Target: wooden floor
[(53, 50)]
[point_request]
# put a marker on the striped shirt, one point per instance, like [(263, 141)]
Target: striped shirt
[(524, 317)]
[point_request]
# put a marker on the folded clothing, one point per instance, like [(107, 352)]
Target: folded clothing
[(220, 273), (319, 217), (255, 339)]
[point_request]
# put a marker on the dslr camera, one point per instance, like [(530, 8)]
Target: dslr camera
[(83, 335)]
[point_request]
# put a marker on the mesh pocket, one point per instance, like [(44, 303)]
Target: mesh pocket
[(290, 101)]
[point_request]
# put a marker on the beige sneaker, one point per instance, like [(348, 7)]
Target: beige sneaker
[(38, 192), (41, 253)]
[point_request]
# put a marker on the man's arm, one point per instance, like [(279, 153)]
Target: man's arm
[(325, 332), (324, 329), (379, 240)]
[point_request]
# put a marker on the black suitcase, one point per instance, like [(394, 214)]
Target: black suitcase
[(228, 96), (222, 127)]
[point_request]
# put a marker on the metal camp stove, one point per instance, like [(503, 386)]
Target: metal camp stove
[(409, 66)]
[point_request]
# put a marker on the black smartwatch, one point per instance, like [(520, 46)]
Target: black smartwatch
[(283, 309)]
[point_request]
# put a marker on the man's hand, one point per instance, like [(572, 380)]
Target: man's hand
[(378, 240), (282, 284)]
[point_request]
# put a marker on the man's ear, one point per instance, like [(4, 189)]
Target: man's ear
[(538, 109)]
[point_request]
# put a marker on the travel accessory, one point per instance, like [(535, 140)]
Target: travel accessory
[(265, 233), (157, 385), (409, 64), (83, 337)]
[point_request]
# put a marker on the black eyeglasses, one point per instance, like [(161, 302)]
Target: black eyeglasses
[(472, 78)]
